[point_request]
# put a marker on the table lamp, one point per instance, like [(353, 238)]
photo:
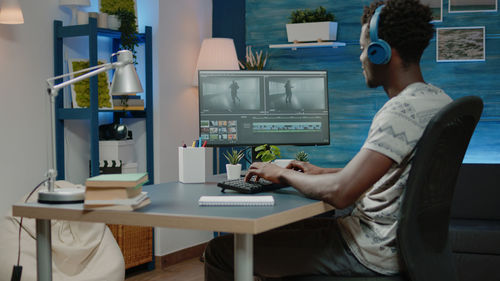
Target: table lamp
[(73, 5), (10, 12), (125, 81), (216, 54)]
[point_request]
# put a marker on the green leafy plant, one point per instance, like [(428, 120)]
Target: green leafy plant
[(302, 156), (307, 15), (267, 153), (253, 61), (125, 10), (234, 157)]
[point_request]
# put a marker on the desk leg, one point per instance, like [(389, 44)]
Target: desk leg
[(243, 257), (43, 250)]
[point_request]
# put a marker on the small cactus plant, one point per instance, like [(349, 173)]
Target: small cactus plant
[(302, 156)]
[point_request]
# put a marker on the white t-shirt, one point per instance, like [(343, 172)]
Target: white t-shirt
[(370, 230)]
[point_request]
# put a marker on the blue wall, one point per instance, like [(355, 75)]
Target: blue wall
[(352, 104)]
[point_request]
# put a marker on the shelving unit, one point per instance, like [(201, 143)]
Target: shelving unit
[(91, 31), (295, 46)]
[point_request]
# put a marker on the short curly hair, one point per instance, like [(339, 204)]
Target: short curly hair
[(404, 24)]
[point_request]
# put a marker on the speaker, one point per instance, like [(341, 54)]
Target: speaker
[(379, 51)]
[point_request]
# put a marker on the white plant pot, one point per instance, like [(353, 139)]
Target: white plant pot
[(312, 31), (233, 171), (282, 162)]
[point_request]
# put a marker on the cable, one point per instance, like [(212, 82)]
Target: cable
[(17, 270)]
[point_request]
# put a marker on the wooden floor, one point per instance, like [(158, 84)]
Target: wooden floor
[(189, 270)]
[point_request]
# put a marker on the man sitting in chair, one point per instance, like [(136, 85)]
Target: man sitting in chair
[(394, 34)]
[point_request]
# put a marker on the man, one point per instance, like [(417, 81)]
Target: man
[(288, 92), (234, 91), (363, 243)]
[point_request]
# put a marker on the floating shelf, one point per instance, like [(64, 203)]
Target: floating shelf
[(295, 46)]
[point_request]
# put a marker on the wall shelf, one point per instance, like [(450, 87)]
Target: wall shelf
[(295, 46)]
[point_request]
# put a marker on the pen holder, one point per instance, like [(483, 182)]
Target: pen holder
[(195, 164)]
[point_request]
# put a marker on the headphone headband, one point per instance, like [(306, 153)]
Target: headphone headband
[(374, 24)]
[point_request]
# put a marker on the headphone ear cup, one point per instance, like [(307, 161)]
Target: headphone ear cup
[(379, 52)]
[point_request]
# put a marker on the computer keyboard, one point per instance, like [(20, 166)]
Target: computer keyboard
[(242, 186)]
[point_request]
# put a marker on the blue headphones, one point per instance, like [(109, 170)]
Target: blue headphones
[(379, 51)]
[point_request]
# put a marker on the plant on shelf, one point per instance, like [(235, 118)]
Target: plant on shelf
[(307, 15), (267, 153), (233, 168), (311, 25), (302, 156), (253, 61)]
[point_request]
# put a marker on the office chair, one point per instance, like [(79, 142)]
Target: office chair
[(422, 233)]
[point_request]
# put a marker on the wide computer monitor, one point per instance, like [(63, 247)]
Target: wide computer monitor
[(250, 108)]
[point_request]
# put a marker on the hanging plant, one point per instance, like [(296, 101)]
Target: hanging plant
[(128, 29)]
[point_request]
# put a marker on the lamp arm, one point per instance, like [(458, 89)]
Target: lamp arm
[(95, 70)]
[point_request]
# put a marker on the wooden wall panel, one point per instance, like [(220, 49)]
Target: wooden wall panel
[(352, 104)]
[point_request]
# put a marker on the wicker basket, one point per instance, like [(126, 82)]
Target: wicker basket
[(136, 243)]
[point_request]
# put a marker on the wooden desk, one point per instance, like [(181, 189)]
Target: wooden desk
[(176, 205)]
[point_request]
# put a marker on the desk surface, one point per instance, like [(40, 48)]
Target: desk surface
[(176, 205)]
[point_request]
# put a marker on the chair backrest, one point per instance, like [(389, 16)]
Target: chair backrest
[(425, 211)]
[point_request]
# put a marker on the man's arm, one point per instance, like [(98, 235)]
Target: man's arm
[(339, 189)]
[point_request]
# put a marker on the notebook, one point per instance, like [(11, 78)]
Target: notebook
[(236, 200)]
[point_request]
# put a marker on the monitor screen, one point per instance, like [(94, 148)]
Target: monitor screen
[(263, 107)]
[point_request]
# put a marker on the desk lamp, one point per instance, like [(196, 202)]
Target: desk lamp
[(125, 81)]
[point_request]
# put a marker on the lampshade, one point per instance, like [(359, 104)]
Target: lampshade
[(125, 80), (216, 54), (10, 12)]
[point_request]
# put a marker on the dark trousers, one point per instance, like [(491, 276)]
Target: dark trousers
[(309, 247)]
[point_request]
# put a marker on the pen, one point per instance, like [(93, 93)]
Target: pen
[(204, 144), (194, 144), (199, 143)]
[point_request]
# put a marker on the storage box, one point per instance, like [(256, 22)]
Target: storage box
[(117, 150), (195, 164)]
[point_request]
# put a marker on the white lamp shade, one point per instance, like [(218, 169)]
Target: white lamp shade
[(125, 80), (10, 12), (74, 3), (216, 54)]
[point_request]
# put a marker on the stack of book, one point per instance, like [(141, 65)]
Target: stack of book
[(128, 102), (116, 192)]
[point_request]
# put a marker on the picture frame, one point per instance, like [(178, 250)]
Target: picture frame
[(80, 91), (459, 44), (436, 8), (472, 6)]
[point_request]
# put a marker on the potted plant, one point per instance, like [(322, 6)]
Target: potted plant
[(311, 25), (233, 168), (267, 153), (253, 61), (302, 156)]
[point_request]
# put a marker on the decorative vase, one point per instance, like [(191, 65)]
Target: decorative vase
[(312, 31), (233, 171), (282, 162)]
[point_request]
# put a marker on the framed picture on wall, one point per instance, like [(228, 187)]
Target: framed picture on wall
[(436, 7), (80, 91), (456, 44), (468, 6)]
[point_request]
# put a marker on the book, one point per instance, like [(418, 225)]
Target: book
[(266, 200), (117, 180), (110, 193), (136, 202)]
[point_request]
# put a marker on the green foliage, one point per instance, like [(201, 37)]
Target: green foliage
[(302, 156), (125, 10), (234, 157), (82, 88), (254, 61), (307, 15), (267, 153)]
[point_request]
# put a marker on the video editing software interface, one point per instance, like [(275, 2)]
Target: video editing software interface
[(257, 107)]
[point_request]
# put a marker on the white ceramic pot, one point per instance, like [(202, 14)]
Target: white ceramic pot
[(114, 22), (282, 162), (233, 171), (312, 31)]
